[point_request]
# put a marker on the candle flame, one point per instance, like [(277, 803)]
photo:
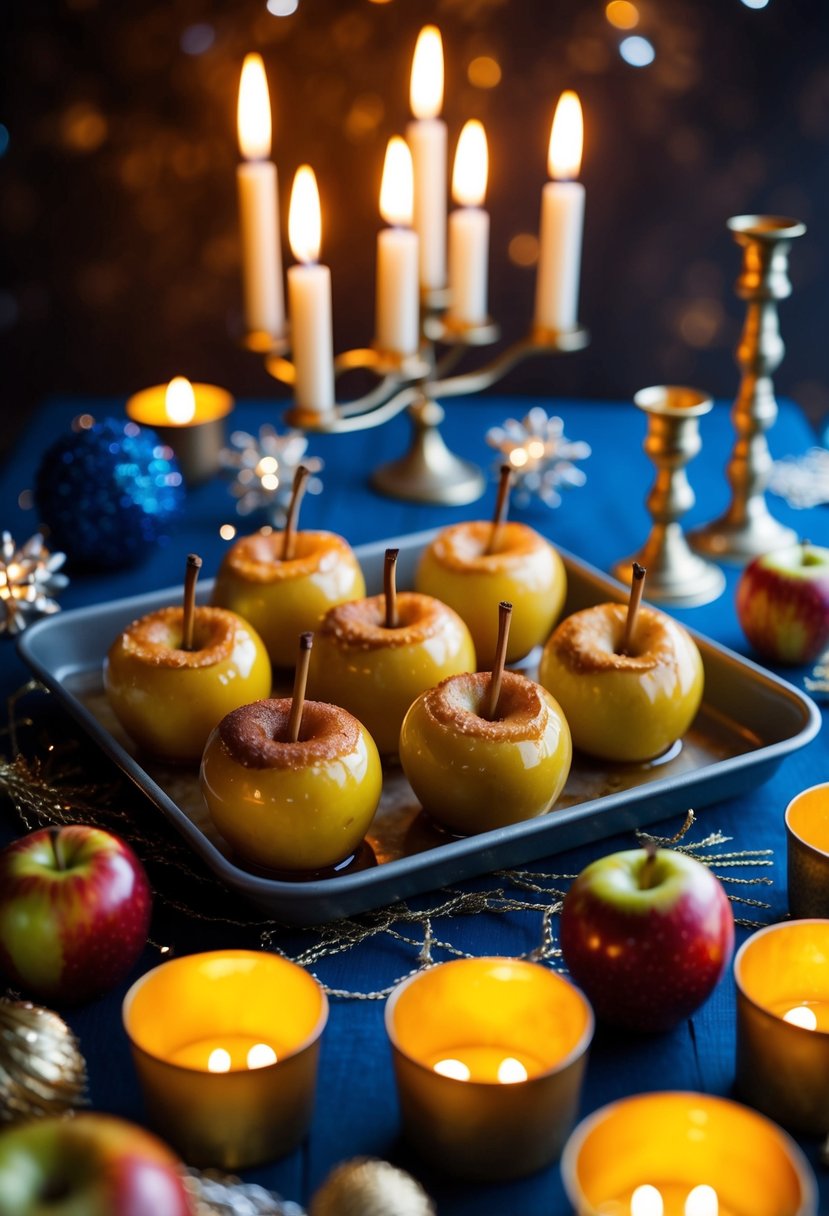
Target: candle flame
[(180, 401), (469, 175), (801, 1016), (253, 114), (261, 1055), (511, 1070), (305, 217), (702, 1201), (397, 189), (426, 89), (218, 1060), (455, 1069), (646, 1201), (566, 138)]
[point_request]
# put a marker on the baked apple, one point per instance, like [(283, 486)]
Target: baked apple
[(288, 805), (473, 566), (169, 695), (375, 655), (285, 582), (628, 690)]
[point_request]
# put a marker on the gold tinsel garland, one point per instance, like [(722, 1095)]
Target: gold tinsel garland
[(42, 1071)]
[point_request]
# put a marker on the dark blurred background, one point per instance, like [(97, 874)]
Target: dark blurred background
[(118, 151)]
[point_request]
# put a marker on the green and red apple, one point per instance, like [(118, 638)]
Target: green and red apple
[(647, 935), (75, 909), (90, 1165), (783, 603)]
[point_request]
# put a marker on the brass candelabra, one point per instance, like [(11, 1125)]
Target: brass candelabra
[(428, 472)]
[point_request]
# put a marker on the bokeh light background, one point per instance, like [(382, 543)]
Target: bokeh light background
[(117, 176)]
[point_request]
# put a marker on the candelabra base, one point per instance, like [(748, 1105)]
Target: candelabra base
[(738, 542), (676, 576), (429, 472)]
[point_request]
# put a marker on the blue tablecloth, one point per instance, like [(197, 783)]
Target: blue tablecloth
[(356, 1109)]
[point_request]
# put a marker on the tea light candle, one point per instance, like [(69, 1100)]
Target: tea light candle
[(782, 977), (427, 139), (259, 206), (309, 297), (226, 1047), (684, 1154), (469, 229), (489, 1055), (807, 840), (189, 418), (398, 296), (562, 220)]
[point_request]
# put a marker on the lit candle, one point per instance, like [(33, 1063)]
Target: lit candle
[(189, 418), (226, 1046), (489, 1055), (469, 229), (706, 1156), (259, 206), (782, 982), (309, 297), (562, 219), (807, 843), (398, 296), (427, 140)]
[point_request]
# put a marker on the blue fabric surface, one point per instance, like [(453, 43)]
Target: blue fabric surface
[(356, 1109)]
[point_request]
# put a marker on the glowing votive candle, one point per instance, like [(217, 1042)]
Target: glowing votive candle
[(469, 229), (190, 418), (684, 1154), (807, 841), (398, 295), (427, 139), (489, 1055), (782, 976), (226, 1047), (562, 220), (309, 298)]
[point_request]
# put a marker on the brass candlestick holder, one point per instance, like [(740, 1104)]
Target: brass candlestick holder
[(428, 472), (675, 574), (746, 529)]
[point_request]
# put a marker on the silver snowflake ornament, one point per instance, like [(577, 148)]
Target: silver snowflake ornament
[(802, 480), (29, 578), (263, 468), (540, 455)]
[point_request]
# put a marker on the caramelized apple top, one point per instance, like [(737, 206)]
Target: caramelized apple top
[(362, 623), (458, 700), (591, 640), (156, 639), (258, 558), (463, 546), (256, 735)]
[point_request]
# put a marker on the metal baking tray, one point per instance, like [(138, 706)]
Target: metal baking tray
[(749, 721)]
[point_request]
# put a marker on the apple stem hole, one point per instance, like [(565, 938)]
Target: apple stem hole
[(390, 588), (496, 679), (501, 509), (289, 535), (54, 834), (647, 875)]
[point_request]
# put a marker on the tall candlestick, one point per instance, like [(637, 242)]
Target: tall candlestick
[(469, 229), (259, 205), (562, 219), (427, 140), (398, 298), (309, 297)]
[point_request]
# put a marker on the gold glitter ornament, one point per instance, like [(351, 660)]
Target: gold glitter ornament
[(368, 1187), (42, 1071)]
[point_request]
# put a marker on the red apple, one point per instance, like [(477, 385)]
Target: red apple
[(74, 912), (783, 603), (647, 935), (92, 1164)]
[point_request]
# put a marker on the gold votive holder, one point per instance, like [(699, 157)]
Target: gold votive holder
[(782, 976), (489, 1056), (807, 843), (705, 1156), (226, 1046), (198, 441)]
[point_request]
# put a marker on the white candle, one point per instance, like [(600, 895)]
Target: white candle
[(259, 205), (398, 295), (309, 297), (469, 229), (427, 140), (562, 219)]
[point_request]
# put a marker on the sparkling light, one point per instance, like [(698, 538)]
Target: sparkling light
[(305, 216), (218, 1060), (253, 115), (261, 1055), (180, 401), (426, 90), (510, 1071), (755, 3), (397, 188), (646, 1201), (702, 1201), (566, 138), (637, 51), (471, 166), (622, 14), (801, 1016), (227, 531), (455, 1069), (282, 8), (484, 72)]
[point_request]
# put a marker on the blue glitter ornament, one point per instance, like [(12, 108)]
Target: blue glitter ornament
[(108, 493)]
